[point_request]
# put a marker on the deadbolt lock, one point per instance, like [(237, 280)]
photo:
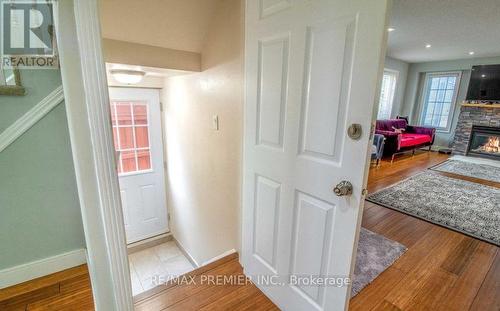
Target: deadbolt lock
[(355, 131)]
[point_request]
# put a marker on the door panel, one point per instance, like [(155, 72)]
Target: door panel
[(273, 64), (266, 220), (328, 60), (310, 240), (137, 134), (311, 70)]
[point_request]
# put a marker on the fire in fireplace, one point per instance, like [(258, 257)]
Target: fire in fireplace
[(484, 142)]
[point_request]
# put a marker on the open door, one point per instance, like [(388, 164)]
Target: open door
[(311, 75)]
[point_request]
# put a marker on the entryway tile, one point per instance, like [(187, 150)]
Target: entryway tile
[(157, 264)]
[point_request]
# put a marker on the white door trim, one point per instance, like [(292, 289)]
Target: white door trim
[(87, 104)]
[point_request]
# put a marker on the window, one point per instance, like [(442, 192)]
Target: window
[(439, 97), (387, 94), (131, 136)]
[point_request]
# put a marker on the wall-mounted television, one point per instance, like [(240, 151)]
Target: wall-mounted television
[(484, 83)]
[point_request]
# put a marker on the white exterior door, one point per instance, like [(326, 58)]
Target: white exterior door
[(137, 132), (311, 71)]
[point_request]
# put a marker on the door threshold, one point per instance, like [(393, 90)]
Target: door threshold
[(149, 242), (153, 292)]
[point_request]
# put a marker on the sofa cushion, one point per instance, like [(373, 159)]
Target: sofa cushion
[(409, 139)]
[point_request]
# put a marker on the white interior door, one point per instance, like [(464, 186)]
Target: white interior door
[(136, 119), (311, 71)]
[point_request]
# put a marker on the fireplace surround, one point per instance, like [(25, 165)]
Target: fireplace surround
[(470, 117), (484, 142)]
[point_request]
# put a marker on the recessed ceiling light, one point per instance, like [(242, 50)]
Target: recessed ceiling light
[(428, 46), (471, 53), (483, 76), (390, 29)]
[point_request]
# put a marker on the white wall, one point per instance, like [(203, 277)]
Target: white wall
[(402, 68), (204, 165), (416, 75)]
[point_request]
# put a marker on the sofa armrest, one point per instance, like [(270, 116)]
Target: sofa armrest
[(421, 130), (392, 141)]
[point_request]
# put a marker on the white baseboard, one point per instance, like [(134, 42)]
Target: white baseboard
[(188, 255), (226, 253), (32, 270)]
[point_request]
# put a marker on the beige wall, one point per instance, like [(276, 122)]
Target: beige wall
[(204, 165), (122, 52)]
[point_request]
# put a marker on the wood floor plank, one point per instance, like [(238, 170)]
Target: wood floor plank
[(257, 302), (183, 291), (386, 306), (466, 287), (19, 302), (230, 301), (460, 256), (488, 296), (36, 284), (419, 279), (373, 295)]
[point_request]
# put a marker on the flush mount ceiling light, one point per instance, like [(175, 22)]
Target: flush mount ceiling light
[(127, 76), (428, 46), (390, 29), (472, 53)]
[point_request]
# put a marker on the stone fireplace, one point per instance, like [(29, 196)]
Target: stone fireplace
[(483, 119)]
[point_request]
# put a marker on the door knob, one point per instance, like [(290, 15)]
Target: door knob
[(343, 188)]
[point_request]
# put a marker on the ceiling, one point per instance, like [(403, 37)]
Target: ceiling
[(452, 27), (174, 24)]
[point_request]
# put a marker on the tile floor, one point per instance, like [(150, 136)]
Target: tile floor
[(158, 263)]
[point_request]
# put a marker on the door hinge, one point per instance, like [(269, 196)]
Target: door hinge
[(161, 106), (168, 216)]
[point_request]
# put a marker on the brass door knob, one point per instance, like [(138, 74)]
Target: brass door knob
[(343, 188)]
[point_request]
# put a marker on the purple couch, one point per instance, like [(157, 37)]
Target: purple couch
[(412, 137)]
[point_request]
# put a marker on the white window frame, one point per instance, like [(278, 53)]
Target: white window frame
[(425, 92), (396, 74)]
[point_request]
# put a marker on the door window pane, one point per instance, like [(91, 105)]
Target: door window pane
[(144, 159), (126, 137), (141, 136), (140, 114), (131, 136), (128, 161), (124, 114)]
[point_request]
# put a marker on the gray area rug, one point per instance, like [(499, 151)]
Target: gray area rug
[(464, 206), (375, 254), (477, 170)]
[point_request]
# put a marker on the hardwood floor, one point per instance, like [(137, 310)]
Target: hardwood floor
[(205, 294), (442, 269), (66, 290)]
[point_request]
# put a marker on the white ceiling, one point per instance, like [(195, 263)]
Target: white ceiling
[(175, 24), (452, 27)]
